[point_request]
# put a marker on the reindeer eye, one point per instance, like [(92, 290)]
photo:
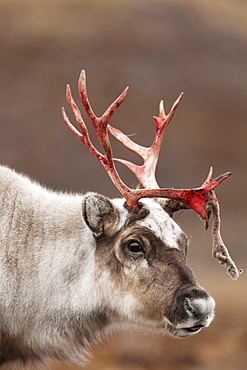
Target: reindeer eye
[(135, 246)]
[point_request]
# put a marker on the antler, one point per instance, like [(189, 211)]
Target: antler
[(146, 172), (199, 199), (100, 126), (203, 200), (194, 198)]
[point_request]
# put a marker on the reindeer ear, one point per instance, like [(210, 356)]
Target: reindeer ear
[(171, 205), (99, 213)]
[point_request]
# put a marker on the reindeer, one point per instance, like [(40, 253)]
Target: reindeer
[(75, 267)]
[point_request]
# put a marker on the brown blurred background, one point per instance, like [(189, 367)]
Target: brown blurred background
[(159, 48)]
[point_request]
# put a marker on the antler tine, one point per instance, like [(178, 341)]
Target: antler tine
[(106, 116), (83, 136), (163, 120), (100, 123), (209, 176), (146, 172), (84, 97)]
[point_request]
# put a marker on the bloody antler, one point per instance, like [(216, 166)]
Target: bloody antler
[(202, 200), (100, 126), (146, 172), (194, 198), (198, 198)]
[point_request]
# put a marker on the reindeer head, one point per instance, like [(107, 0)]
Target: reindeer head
[(143, 248), (141, 271)]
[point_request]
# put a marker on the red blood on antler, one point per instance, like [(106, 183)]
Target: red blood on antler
[(194, 198), (201, 199), (146, 172)]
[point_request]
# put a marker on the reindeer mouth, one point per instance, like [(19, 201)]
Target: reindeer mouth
[(186, 332), (181, 332), (193, 329)]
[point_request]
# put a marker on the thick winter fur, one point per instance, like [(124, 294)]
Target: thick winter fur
[(71, 270)]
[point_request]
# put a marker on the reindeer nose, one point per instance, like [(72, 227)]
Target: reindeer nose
[(192, 308), (199, 310)]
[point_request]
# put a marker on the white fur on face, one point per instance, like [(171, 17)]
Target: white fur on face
[(122, 212), (157, 220), (161, 224)]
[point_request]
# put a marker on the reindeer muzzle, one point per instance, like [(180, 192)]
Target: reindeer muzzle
[(190, 312)]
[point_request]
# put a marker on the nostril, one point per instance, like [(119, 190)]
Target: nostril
[(192, 311)]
